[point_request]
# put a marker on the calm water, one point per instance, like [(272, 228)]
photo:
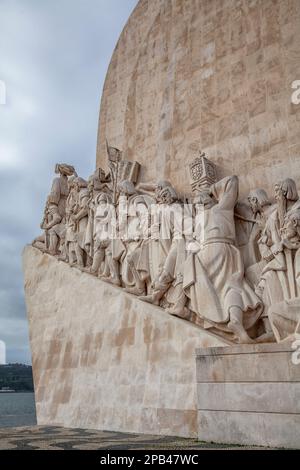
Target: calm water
[(17, 409)]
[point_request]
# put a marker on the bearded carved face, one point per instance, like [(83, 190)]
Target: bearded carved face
[(279, 192), (254, 204), (291, 227), (165, 196)]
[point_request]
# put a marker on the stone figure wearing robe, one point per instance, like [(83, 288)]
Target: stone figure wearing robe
[(54, 231), (250, 220), (275, 284), (70, 239), (80, 218), (160, 250), (284, 316), (104, 221), (98, 183), (214, 278), (42, 241), (60, 189), (123, 242), (133, 229)]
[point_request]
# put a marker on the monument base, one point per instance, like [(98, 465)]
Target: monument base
[(249, 395), (103, 359)]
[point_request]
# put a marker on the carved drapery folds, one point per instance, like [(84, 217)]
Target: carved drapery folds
[(229, 266)]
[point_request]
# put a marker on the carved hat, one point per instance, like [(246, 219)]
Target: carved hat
[(65, 169)]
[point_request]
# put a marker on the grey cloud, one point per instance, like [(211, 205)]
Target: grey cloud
[(53, 58)]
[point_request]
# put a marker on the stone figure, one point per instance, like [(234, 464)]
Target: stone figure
[(54, 221), (42, 241), (120, 170), (60, 189), (70, 238), (139, 226), (98, 183), (103, 234), (132, 228), (161, 249), (250, 220), (229, 266), (275, 283), (54, 230), (80, 219), (284, 316), (121, 242), (214, 278)]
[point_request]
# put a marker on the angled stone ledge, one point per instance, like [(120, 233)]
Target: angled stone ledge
[(103, 359)]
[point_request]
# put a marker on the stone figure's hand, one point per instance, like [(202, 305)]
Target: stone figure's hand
[(277, 248)]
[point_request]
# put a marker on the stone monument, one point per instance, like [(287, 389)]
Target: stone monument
[(187, 235)]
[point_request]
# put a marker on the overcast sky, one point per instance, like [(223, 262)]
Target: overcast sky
[(53, 59)]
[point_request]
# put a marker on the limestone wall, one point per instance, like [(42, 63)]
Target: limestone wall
[(249, 395), (209, 74), (103, 359)]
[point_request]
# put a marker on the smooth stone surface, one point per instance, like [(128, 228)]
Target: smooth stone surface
[(210, 75), (248, 366), (249, 394), (272, 397), (262, 429), (102, 359)]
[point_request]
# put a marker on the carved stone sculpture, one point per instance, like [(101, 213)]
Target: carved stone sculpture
[(284, 314), (80, 219), (54, 220), (214, 278), (229, 266)]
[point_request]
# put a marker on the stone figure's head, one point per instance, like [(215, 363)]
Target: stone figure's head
[(258, 199), (64, 169), (126, 188), (52, 209), (286, 189), (96, 180), (205, 199), (285, 192), (103, 199), (165, 193), (291, 226)]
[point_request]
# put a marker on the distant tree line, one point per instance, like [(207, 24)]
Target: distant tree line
[(17, 377)]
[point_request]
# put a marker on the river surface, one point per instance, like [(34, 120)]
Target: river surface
[(17, 409)]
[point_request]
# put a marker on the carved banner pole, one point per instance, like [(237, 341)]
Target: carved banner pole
[(114, 157)]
